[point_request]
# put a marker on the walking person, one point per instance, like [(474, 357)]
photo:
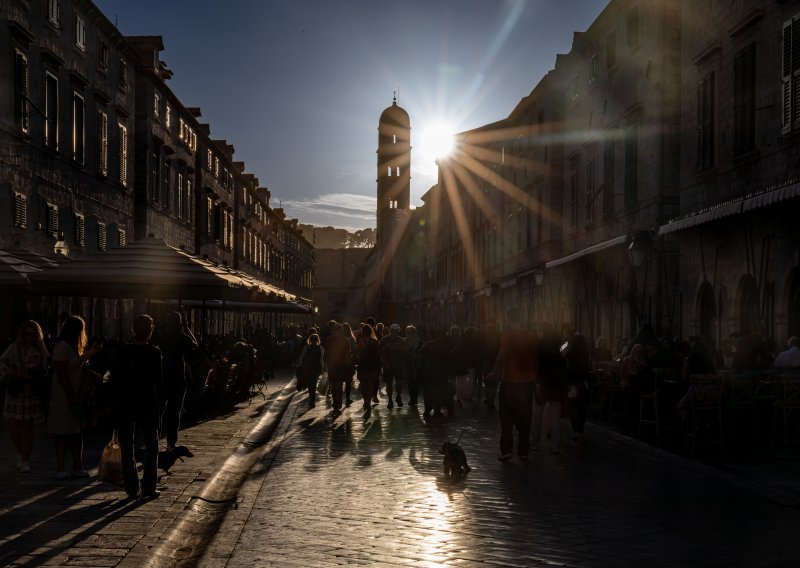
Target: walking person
[(175, 342), (551, 387), (393, 356), (311, 363), (433, 369), (369, 365), (414, 345), (136, 376), (338, 360), (20, 364), (347, 330), (460, 366), (515, 369), (578, 358), (67, 415)]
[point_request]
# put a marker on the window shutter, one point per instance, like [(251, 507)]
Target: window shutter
[(123, 155), (80, 230), (20, 211), (21, 91), (122, 237), (787, 77), (102, 143), (52, 221), (101, 236)]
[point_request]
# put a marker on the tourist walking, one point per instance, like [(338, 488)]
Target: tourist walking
[(338, 360), (68, 414), (578, 358), (393, 356), (310, 366), (489, 348), (433, 368), (176, 342), (347, 331), (414, 343), (515, 369), (23, 364), (136, 376), (369, 365)]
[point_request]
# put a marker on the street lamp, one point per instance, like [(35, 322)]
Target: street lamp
[(61, 247), (640, 245)]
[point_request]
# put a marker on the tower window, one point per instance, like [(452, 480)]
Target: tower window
[(394, 138), (389, 171), (398, 171)]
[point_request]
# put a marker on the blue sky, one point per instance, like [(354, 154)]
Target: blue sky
[(297, 86)]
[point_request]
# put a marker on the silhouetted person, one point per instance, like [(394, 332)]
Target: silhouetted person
[(176, 342)]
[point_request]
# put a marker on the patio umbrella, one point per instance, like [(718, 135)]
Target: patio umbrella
[(16, 264), (148, 269)]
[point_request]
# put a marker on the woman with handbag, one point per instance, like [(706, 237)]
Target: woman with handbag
[(67, 411), (22, 364)]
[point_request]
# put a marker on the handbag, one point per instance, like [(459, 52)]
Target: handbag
[(110, 468)]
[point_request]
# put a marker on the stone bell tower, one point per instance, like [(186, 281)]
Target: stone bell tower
[(394, 172)]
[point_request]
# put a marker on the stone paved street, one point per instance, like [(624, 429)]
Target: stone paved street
[(350, 491)]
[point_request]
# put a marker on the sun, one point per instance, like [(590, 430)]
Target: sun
[(436, 141)]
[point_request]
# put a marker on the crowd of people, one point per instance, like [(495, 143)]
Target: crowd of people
[(534, 377)]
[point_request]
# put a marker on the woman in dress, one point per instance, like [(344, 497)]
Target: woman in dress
[(65, 420), (21, 362)]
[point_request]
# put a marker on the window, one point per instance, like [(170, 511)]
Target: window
[(539, 217), (181, 201), (216, 167), (791, 74), (51, 111), (573, 192), (80, 230), (53, 11), (189, 200), (633, 26), (611, 49), (123, 154), (123, 75), (168, 116), (705, 122), (181, 129), (632, 167), (101, 237), (78, 128), (590, 193), (744, 100), (389, 171), (21, 91), (20, 211), (592, 68), (608, 180), (154, 177), (225, 178), (165, 179), (102, 54), (51, 227), (102, 143), (80, 33), (209, 216), (210, 165), (397, 171), (156, 106), (122, 238), (394, 138)]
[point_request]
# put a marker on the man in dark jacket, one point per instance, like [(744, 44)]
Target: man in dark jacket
[(176, 342), (136, 376)]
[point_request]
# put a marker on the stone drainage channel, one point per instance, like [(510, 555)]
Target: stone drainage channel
[(187, 542)]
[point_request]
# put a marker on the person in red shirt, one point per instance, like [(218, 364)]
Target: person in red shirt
[(515, 369)]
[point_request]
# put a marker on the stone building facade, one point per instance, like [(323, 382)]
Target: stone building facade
[(650, 178), (96, 150)]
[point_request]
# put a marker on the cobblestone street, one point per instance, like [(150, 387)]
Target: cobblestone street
[(354, 491)]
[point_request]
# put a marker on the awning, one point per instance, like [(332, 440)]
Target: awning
[(145, 269), (243, 306), (771, 197), (705, 216), (620, 240), (730, 208), (17, 264)]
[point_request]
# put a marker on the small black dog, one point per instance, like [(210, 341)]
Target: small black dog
[(455, 460), (166, 458)]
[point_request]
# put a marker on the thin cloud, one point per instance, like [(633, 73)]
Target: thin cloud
[(346, 210)]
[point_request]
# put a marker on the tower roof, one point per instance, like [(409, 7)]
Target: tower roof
[(395, 115)]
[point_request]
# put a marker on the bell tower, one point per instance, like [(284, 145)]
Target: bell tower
[(394, 172)]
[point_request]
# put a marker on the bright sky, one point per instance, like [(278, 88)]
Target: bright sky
[(297, 86)]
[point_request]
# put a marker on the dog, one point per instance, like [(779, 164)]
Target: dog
[(166, 458), (455, 460)]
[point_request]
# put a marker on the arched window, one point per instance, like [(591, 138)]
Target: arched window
[(389, 171), (398, 171), (394, 138)]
